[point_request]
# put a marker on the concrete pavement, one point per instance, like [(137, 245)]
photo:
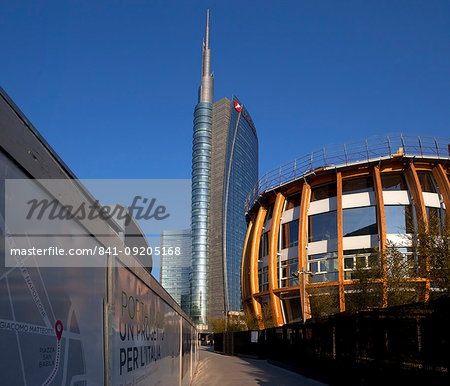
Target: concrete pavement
[(217, 369)]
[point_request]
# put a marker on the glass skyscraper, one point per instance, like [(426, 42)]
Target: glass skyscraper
[(234, 172), (201, 152), (176, 265), (224, 170)]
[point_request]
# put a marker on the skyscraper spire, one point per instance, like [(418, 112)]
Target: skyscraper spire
[(207, 29), (201, 161), (207, 86)]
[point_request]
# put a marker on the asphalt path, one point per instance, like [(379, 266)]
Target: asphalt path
[(217, 369)]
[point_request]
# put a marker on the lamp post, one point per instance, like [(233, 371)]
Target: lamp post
[(297, 274)]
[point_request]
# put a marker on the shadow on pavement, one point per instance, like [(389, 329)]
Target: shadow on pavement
[(222, 369)]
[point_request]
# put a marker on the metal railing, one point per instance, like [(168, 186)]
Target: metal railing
[(346, 154)]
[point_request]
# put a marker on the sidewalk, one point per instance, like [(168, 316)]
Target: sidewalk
[(217, 369)]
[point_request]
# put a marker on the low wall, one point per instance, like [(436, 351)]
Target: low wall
[(403, 343)]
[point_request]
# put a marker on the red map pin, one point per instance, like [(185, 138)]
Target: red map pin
[(58, 329)]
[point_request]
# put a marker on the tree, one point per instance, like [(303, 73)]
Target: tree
[(218, 325), (266, 318), (244, 321), (323, 301), (431, 244), (402, 275), (367, 290), (400, 286)]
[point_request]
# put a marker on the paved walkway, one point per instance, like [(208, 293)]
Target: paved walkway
[(217, 369)]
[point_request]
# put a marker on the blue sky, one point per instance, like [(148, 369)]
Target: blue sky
[(112, 85)]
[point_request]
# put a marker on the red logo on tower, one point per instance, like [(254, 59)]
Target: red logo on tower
[(237, 106)]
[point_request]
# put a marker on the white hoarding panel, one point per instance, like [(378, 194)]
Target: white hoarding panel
[(144, 340)]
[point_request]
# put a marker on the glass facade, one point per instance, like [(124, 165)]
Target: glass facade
[(241, 175), (263, 279), (176, 268), (269, 213), (362, 258), (292, 308), (427, 182), (399, 219), (359, 221), (324, 266), (264, 245), (287, 271), (357, 185), (356, 256), (289, 234), (293, 201), (200, 210), (393, 181), (322, 226), (435, 215), (324, 191)]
